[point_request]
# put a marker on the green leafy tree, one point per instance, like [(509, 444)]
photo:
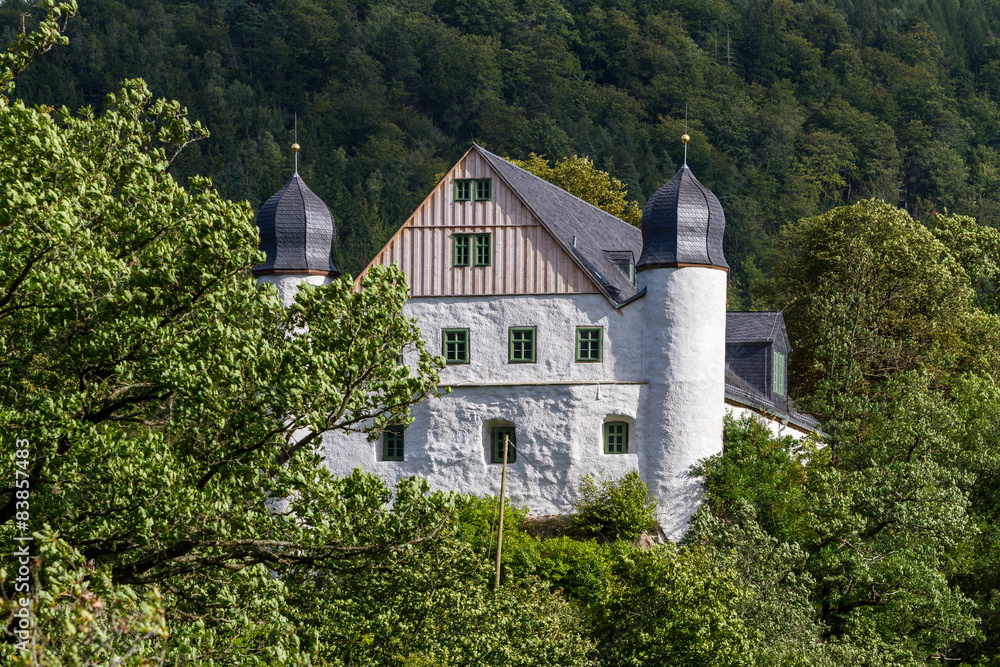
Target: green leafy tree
[(615, 508), (868, 293), (669, 605), (167, 403)]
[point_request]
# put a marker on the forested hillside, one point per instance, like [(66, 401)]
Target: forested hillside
[(795, 107)]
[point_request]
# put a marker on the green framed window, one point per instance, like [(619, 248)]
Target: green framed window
[(497, 449), (484, 249), (778, 379), (631, 272), (455, 346), (392, 443), (521, 345), (589, 343), (616, 437), (463, 190), (484, 189), (461, 249)]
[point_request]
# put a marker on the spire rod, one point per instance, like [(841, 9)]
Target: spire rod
[(295, 146), (685, 138)]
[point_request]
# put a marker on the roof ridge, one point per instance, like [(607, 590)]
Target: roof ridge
[(553, 185)]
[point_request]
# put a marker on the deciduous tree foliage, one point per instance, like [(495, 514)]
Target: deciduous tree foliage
[(578, 176), (870, 293)]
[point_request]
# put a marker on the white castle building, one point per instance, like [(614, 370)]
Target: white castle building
[(594, 346)]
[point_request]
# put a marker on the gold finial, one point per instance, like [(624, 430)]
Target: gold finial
[(685, 138), (296, 147)]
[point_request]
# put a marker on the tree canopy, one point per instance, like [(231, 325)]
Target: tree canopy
[(793, 108)]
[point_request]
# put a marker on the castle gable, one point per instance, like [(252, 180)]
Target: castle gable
[(597, 240), (474, 235)]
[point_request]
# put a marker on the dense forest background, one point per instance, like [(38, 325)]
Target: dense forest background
[(794, 107)]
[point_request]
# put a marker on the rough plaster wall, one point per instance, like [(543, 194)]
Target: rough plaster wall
[(557, 406), (559, 431), (288, 284), (555, 318), (685, 351)]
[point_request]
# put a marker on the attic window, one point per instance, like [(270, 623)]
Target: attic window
[(778, 378), (484, 249), (463, 190), (461, 249), (484, 189)]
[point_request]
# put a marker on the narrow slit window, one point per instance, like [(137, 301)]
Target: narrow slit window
[(616, 438), (521, 347), (484, 249), (455, 346), (463, 190), (498, 436), (462, 249), (392, 442), (588, 343), (484, 189)]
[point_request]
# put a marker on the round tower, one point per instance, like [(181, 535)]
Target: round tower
[(684, 273), (297, 233)]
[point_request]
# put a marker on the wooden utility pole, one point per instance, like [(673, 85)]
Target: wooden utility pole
[(503, 489)]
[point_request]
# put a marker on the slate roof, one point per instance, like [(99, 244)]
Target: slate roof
[(682, 223), (742, 392), (762, 327), (566, 216), (297, 232)]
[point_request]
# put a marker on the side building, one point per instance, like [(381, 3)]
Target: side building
[(596, 348)]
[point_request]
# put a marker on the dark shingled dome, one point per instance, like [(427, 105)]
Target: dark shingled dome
[(296, 232), (682, 225)]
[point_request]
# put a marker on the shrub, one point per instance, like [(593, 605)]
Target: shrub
[(615, 509), (577, 567)]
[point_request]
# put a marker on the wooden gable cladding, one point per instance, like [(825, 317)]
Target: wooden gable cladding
[(526, 258)]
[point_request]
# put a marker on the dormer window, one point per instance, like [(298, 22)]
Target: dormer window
[(624, 260), (778, 378)]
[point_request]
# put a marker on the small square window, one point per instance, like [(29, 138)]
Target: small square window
[(588, 343), (616, 437), (484, 249), (484, 189), (497, 449), (778, 381), (463, 190), (521, 346), (462, 244), (455, 346), (392, 443)]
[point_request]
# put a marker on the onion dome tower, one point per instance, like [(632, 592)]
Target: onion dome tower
[(297, 233), (682, 225), (684, 273)]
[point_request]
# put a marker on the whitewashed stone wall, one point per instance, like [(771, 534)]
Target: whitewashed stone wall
[(685, 352), (557, 406)]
